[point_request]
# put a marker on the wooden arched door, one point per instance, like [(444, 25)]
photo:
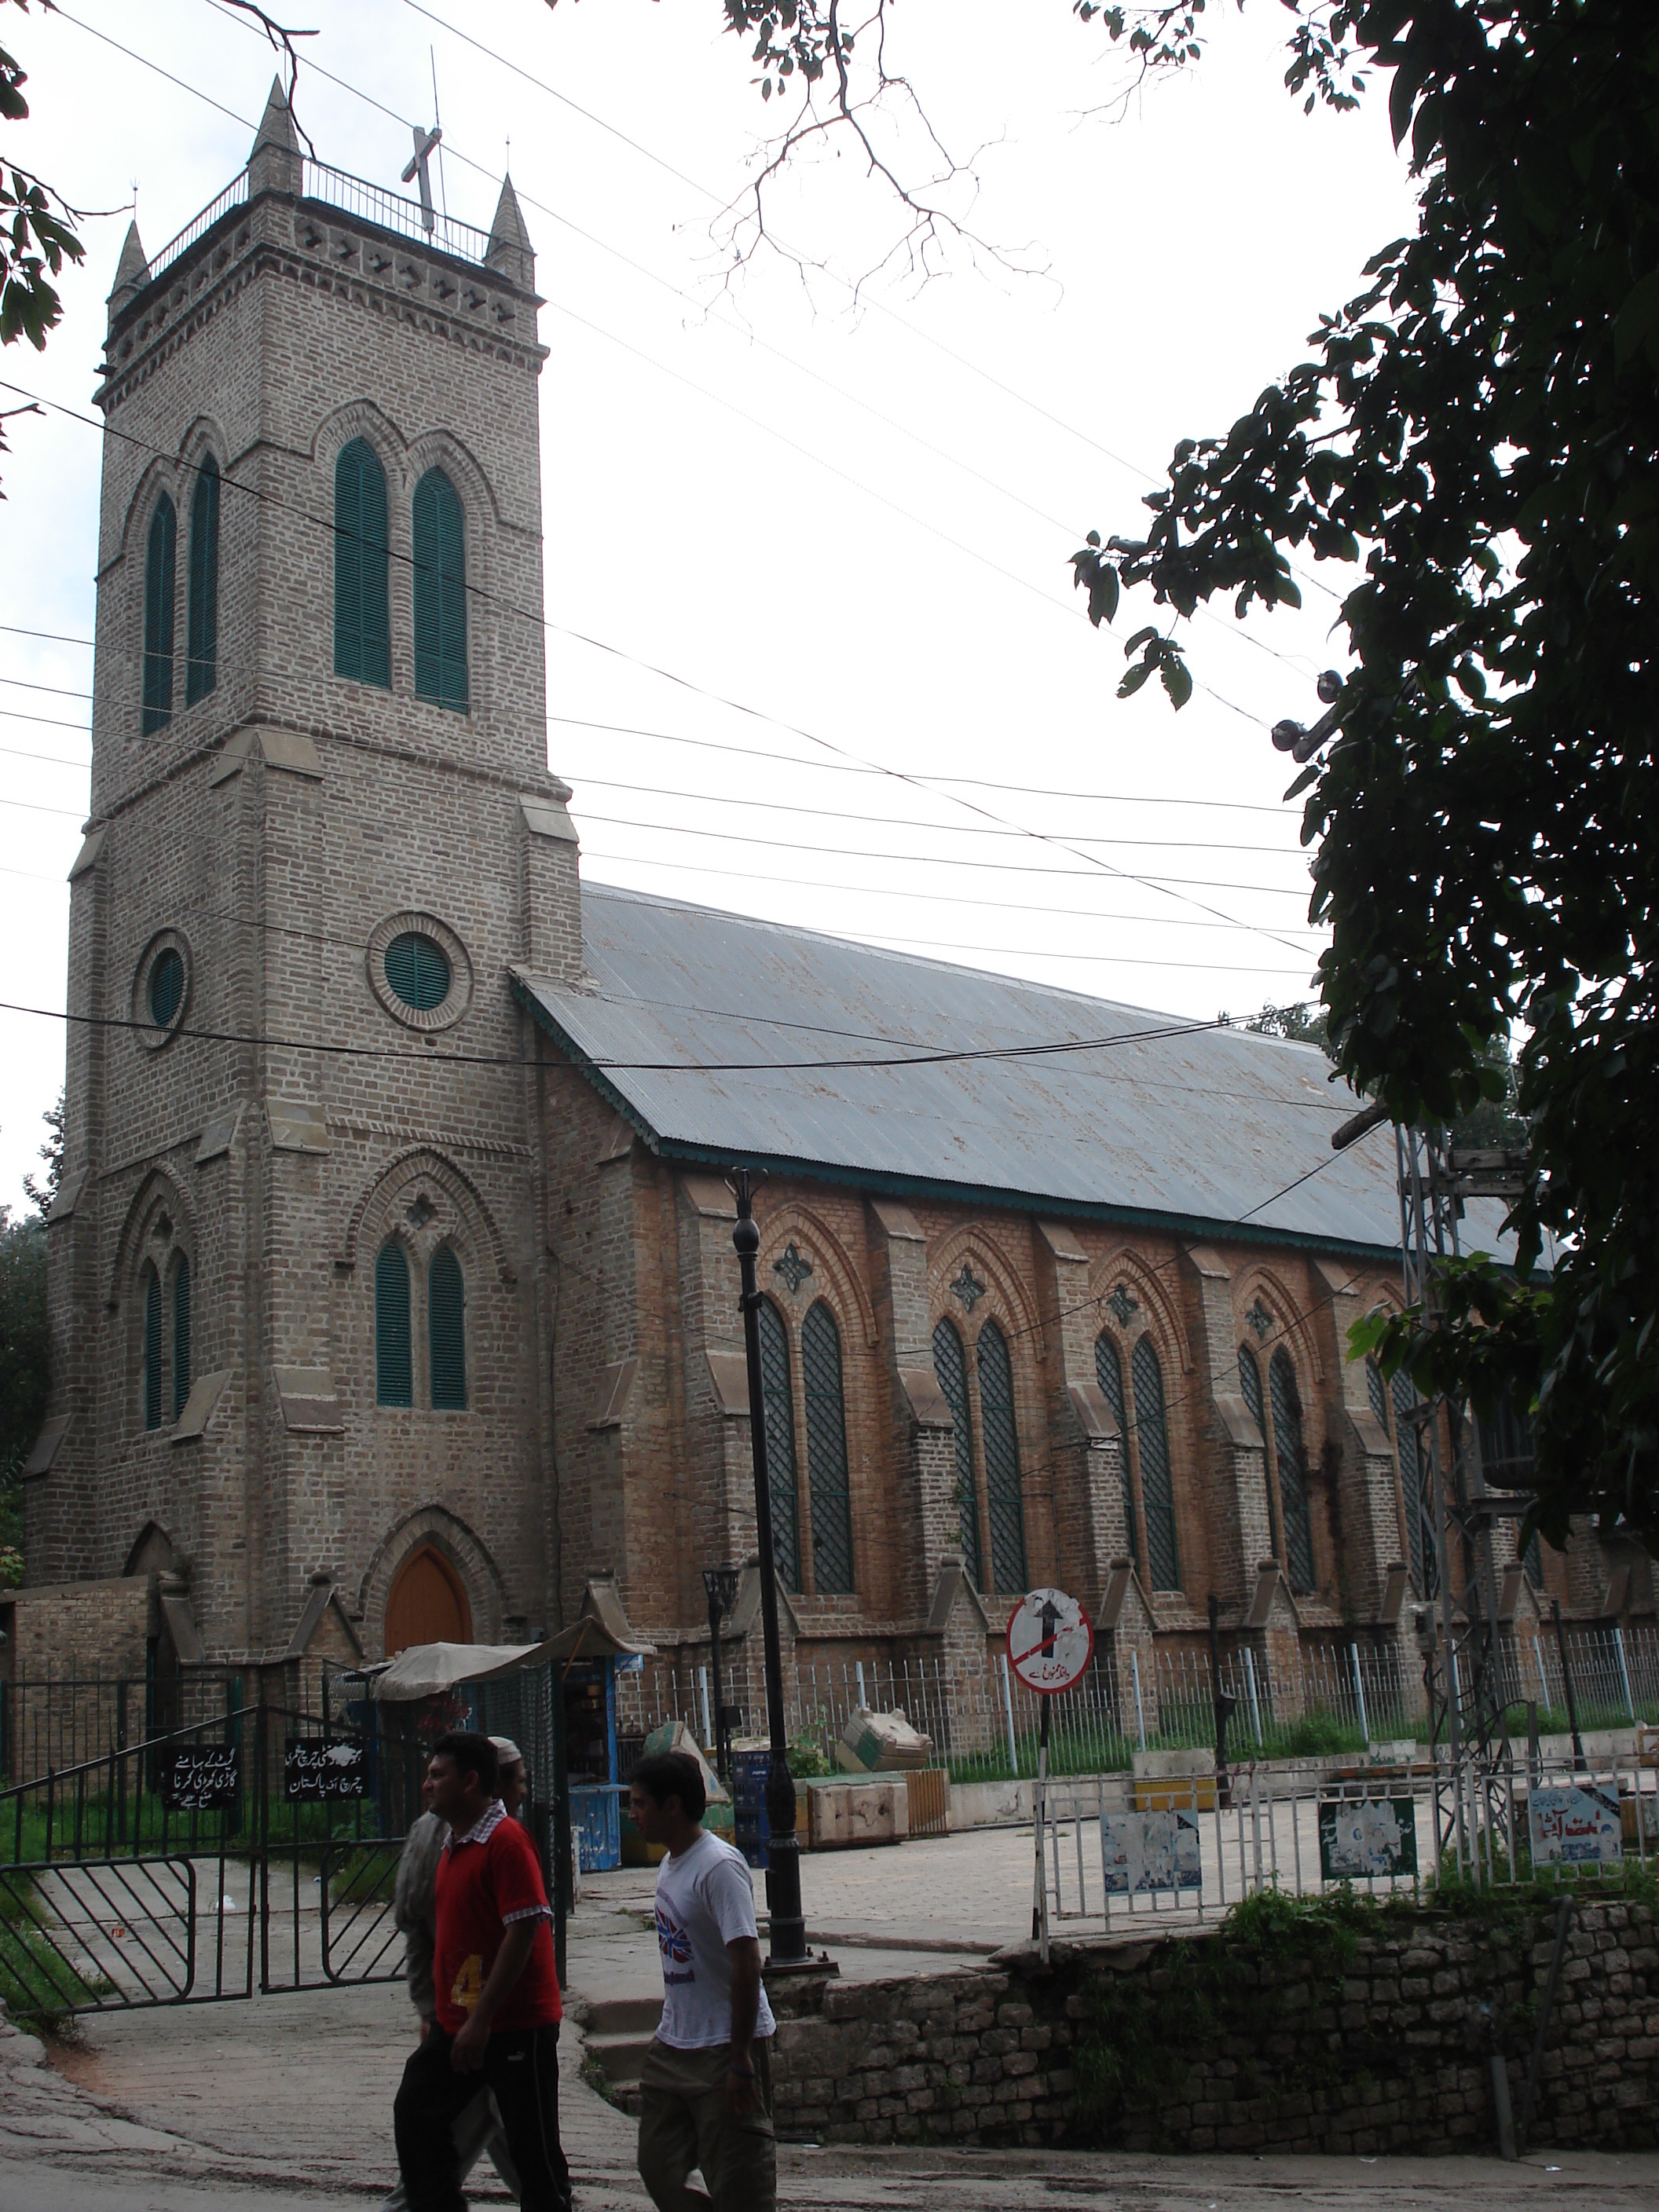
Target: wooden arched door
[(427, 1604)]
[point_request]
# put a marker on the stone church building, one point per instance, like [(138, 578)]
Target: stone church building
[(391, 1282)]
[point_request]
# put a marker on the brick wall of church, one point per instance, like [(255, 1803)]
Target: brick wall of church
[(658, 1485)]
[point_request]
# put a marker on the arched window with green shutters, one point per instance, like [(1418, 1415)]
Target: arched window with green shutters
[(1004, 1504), (777, 1396), (159, 556), (202, 627), (1249, 1379), (152, 1288), (1108, 1373), (1289, 1452), (951, 1367), (1414, 1483), (827, 1477), (362, 612), (440, 592), (446, 1310), (180, 1336), (1157, 1476), (394, 1365)]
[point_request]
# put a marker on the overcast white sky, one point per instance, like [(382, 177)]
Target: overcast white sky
[(855, 520)]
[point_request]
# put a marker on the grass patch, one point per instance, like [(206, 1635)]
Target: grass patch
[(42, 1988)]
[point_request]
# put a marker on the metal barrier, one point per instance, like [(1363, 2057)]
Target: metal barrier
[(1118, 1850)]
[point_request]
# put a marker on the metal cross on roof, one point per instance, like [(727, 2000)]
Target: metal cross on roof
[(426, 144)]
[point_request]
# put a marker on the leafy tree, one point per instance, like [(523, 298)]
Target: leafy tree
[(1474, 438), (23, 1372), (37, 229), (1299, 1023), (1479, 430), (42, 1193)]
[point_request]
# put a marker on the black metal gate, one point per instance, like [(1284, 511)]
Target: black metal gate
[(242, 1853), (254, 1849)]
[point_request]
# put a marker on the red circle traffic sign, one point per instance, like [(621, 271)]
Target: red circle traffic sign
[(1049, 1641)]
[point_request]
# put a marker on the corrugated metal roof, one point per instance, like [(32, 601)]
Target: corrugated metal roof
[(1209, 1129)]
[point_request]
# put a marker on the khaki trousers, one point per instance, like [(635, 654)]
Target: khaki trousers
[(684, 2121)]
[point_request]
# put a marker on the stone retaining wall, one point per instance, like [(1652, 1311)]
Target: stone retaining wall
[(1389, 2050)]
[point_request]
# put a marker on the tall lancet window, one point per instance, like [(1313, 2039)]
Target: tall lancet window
[(440, 592), (362, 617), (201, 654), (160, 555), (778, 1400)]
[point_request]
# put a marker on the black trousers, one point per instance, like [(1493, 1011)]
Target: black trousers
[(521, 2065)]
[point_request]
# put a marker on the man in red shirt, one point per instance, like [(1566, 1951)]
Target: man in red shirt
[(497, 1992)]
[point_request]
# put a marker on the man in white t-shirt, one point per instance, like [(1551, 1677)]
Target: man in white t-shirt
[(706, 2087)]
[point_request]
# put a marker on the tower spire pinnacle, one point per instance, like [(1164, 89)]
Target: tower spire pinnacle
[(509, 248)]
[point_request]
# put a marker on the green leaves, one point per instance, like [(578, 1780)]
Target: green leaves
[(1093, 572), (1479, 426)]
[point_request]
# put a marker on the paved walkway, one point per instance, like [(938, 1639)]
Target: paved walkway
[(282, 2103)]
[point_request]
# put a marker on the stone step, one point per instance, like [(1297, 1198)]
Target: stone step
[(621, 2016), (620, 2056)]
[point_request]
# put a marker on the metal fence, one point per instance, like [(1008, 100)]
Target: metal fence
[(1116, 1850), (1328, 1699)]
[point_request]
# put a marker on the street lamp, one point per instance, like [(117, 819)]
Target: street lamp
[(788, 1937), (720, 1584)]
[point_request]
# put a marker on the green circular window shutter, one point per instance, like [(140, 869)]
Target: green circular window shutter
[(166, 987), (417, 971)]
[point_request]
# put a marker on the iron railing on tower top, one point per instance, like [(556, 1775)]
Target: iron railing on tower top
[(355, 196)]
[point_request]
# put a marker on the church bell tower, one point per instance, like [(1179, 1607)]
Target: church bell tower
[(297, 1267)]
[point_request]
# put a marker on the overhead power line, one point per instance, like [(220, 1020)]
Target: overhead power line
[(542, 621)]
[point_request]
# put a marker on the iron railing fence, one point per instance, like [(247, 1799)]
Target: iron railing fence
[(1326, 1700), (355, 196), (1115, 1848), (53, 1721)]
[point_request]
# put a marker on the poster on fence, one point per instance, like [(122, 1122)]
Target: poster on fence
[(203, 1778), (313, 1770), (1144, 1851), (1574, 1826), (1367, 1839)]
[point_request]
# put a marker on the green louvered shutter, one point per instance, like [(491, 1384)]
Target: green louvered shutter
[(778, 1399), (201, 647), (418, 971), (951, 1367), (180, 1337), (1108, 1373), (440, 592), (159, 562), (447, 1322), (828, 1478), (1292, 1471), (1006, 1507), (394, 1380), (152, 1349), (1157, 1476), (1249, 1377), (362, 614), (1415, 1481)]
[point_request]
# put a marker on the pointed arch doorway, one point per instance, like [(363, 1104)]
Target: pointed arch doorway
[(427, 1603)]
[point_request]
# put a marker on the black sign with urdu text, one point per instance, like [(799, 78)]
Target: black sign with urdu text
[(316, 1769), (203, 1777)]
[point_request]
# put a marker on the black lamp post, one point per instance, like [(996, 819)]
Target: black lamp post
[(783, 1851), (721, 1586), (1223, 1702)]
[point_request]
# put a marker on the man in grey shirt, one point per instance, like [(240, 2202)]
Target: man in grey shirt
[(414, 1909)]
